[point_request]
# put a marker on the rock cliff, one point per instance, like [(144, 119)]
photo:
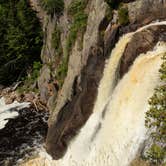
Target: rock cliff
[(71, 103)]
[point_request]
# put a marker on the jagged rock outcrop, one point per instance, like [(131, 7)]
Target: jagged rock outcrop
[(141, 43)]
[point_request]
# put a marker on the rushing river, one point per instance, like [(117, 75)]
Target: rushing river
[(22, 132)]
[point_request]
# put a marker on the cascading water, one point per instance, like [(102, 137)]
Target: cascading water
[(114, 139), (109, 78), (114, 132)]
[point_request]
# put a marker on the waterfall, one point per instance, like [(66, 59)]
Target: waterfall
[(123, 128), (113, 133), (109, 78)]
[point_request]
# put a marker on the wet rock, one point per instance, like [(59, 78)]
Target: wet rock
[(141, 43), (22, 135), (110, 38)]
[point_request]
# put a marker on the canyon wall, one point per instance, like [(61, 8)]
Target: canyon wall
[(72, 103)]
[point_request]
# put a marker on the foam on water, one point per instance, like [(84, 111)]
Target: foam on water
[(8, 111)]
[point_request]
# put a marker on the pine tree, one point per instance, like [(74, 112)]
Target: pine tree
[(156, 119), (20, 39)]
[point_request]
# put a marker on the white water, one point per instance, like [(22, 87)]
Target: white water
[(115, 139), (109, 78), (6, 111)]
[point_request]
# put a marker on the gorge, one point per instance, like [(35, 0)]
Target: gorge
[(97, 91)]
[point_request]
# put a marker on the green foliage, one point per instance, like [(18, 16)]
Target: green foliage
[(53, 6), (156, 119), (156, 153), (35, 70), (76, 10), (78, 27), (109, 13), (20, 39), (31, 78), (122, 11), (77, 6), (56, 43), (123, 15)]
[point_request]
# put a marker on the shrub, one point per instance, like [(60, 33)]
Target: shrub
[(123, 15), (52, 6), (108, 14), (156, 154), (62, 71), (156, 119)]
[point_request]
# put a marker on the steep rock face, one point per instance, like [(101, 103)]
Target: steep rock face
[(145, 11), (141, 43), (46, 80), (79, 90), (75, 113), (79, 57)]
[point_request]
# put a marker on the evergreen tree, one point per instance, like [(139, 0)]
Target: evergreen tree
[(20, 39), (156, 119)]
